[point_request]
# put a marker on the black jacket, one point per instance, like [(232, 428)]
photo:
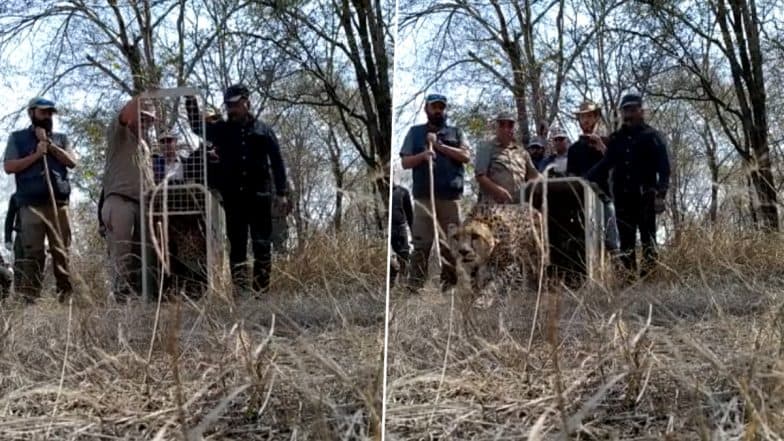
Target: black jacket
[(638, 156), (246, 152), (402, 212), (582, 157), (10, 218)]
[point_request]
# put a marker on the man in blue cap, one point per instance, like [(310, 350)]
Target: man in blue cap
[(252, 173), (449, 155), (637, 154), (40, 217)]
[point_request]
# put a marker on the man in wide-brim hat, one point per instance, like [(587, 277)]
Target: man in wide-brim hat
[(586, 152)]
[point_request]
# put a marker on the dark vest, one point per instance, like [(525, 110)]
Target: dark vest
[(31, 187), (448, 179)]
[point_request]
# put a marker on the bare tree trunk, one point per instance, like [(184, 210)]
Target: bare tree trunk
[(338, 217), (713, 167), (674, 205), (746, 68), (752, 197)]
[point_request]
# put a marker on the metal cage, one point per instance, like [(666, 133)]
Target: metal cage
[(181, 218), (574, 231)]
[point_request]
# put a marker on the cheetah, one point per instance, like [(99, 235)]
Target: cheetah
[(499, 243)]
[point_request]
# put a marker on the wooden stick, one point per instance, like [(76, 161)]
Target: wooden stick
[(431, 140), (52, 199)]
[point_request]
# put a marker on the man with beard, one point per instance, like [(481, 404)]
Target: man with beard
[(245, 150), (127, 164), (502, 166), (40, 217), (449, 155), (637, 154), (586, 152)]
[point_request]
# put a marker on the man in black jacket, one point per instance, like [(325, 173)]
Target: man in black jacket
[(638, 155), (402, 222), (245, 149)]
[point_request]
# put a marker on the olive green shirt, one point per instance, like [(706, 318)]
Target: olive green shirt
[(507, 166)]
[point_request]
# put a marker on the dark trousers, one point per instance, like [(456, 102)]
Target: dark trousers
[(633, 214), (402, 250), (38, 224), (254, 214)]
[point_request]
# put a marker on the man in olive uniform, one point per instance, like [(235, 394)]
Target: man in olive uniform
[(449, 155), (637, 154), (502, 166), (125, 169)]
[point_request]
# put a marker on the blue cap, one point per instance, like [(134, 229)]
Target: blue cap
[(435, 98), (537, 141), (41, 103), (631, 99)]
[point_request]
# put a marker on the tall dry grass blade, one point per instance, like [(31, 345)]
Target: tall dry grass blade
[(65, 363), (446, 358), (197, 433)]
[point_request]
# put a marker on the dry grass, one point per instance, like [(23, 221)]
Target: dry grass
[(302, 363), (696, 353)]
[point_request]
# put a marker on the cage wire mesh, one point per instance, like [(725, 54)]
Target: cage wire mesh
[(182, 221)]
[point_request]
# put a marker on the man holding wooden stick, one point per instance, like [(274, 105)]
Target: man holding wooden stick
[(436, 153), (39, 160)]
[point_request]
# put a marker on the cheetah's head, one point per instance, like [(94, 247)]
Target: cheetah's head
[(473, 243)]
